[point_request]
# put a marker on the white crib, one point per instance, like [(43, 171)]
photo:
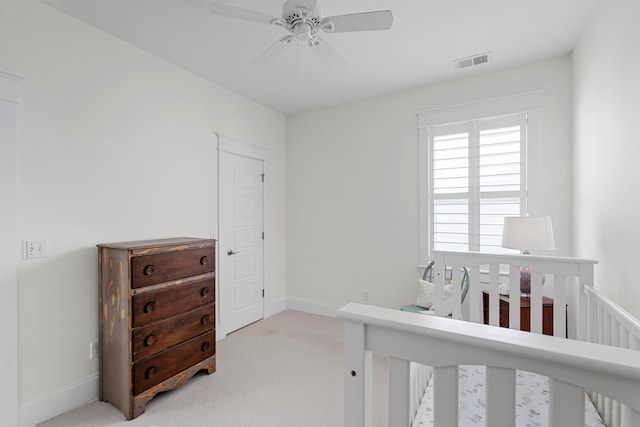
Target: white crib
[(572, 365)]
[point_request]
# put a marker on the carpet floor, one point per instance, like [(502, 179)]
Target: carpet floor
[(286, 370)]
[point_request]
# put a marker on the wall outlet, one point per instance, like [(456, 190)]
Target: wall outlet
[(365, 295), (93, 349), (35, 249)]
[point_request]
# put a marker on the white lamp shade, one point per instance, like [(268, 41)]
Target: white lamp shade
[(528, 233)]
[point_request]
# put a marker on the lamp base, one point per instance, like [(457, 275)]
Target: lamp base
[(525, 281)]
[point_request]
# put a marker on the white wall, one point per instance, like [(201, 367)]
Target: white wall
[(112, 144), (607, 148), (352, 183)]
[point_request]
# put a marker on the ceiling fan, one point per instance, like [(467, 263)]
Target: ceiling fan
[(303, 20)]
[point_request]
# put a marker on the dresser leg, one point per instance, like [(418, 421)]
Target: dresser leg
[(140, 400), (211, 365)]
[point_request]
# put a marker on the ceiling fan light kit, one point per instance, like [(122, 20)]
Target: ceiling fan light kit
[(303, 20)]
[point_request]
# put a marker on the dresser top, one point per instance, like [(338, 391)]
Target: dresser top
[(189, 242)]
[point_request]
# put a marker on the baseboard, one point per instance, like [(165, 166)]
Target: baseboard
[(57, 403), (313, 307)]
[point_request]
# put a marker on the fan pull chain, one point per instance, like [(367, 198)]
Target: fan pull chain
[(298, 59)]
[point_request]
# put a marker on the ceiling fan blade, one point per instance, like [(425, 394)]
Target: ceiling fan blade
[(367, 21), (275, 50), (327, 54), (244, 14)]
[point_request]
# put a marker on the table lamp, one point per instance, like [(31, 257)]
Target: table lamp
[(527, 233)]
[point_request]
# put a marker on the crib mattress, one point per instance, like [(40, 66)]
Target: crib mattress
[(532, 401)]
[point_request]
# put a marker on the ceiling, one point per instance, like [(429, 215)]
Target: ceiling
[(418, 50)]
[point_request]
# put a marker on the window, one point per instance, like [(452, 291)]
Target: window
[(473, 174), (477, 176)]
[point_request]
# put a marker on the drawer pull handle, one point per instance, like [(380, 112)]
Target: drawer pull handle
[(205, 319), (204, 260), (205, 346), (150, 340), (149, 307), (204, 292), (149, 373), (149, 269)]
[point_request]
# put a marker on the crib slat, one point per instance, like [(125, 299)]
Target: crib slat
[(514, 297), (439, 281), (607, 329), (536, 302), (591, 320), (475, 297), (566, 404), (445, 396), (585, 280), (399, 398), (457, 293), (616, 334), (559, 306), (607, 411), (615, 416), (600, 323), (624, 337), (600, 403), (500, 397), (494, 296)]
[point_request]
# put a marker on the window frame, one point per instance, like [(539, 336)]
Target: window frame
[(492, 108)]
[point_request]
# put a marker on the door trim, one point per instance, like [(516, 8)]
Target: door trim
[(259, 152), (8, 249)]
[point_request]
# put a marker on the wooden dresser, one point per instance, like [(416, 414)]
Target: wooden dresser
[(157, 318), (525, 313)]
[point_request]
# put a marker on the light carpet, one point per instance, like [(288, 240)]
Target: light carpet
[(286, 370)]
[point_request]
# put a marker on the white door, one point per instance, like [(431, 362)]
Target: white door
[(241, 245)]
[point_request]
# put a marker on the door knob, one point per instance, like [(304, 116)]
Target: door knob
[(231, 252)]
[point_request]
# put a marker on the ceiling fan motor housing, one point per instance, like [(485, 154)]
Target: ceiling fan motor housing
[(303, 18), (292, 8)]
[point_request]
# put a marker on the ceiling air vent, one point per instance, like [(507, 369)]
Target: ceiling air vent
[(472, 61)]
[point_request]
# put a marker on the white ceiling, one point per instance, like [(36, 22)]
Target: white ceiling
[(418, 50)]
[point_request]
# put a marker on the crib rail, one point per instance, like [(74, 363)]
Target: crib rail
[(447, 343), (562, 279), (610, 324)]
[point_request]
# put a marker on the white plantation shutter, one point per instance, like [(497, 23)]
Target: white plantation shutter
[(450, 187), (477, 176)]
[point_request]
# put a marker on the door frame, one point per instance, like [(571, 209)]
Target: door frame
[(8, 250), (259, 152)]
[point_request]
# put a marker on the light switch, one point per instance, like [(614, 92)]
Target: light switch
[(35, 249)]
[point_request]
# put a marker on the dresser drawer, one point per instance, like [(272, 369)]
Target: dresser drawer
[(162, 303), (159, 336), (157, 268), (154, 370)]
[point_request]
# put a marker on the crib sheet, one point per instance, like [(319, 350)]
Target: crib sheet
[(532, 401)]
